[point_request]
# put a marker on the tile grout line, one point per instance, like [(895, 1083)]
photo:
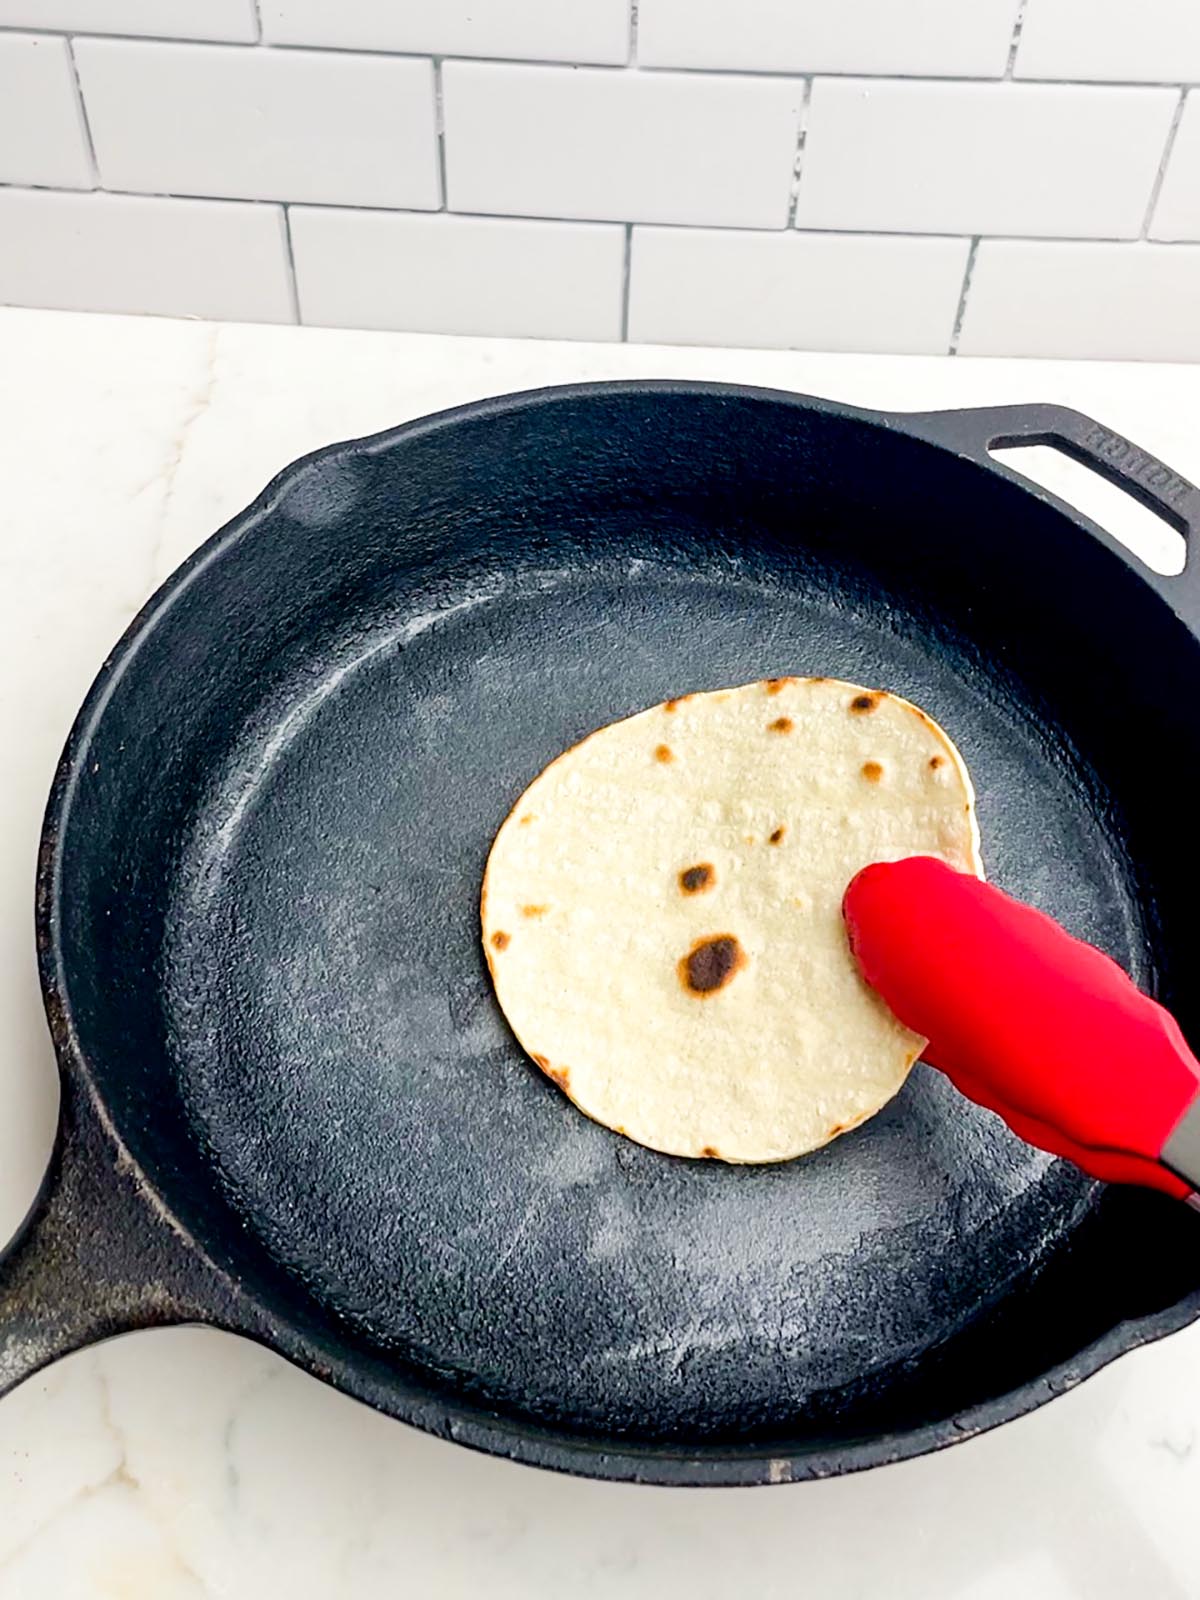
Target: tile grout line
[(81, 103), (797, 74), (293, 283), (589, 222), (960, 314), (257, 5), (1161, 174), (439, 126), (625, 282), (633, 33), (1014, 43), (798, 157)]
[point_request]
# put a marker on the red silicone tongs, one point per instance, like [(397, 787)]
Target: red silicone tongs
[(1031, 1023)]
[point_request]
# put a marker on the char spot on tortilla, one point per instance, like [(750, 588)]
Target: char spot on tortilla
[(872, 771), (711, 963), (864, 702), (693, 880), (776, 836), (534, 911), (782, 725), (663, 753), (500, 939)]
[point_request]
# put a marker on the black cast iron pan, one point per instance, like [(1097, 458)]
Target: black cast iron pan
[(290, 1106)]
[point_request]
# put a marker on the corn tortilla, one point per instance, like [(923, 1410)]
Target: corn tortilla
[(662, 912)]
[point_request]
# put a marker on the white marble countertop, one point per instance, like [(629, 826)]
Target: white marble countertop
[(188, 1465)]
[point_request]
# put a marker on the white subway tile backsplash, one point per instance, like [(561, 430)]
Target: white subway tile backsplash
[(465, 166), (968, 38), (817, 291), (261, 124), (982, 158), (180, 258), (1177, 214), (447, 274), (1156, 41), (536, 30), (621, 146), (1135, 301), (41, 130), (173, 19)]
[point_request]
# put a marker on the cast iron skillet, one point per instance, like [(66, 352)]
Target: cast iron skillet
[(290, 1106)]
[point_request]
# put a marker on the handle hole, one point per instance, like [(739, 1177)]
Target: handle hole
[(1143, 532)]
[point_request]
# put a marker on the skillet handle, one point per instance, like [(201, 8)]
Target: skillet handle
[(974, 432), (96, 1257)]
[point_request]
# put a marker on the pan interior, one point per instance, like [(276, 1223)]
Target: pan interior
[(272, 944), (347, 1063)]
